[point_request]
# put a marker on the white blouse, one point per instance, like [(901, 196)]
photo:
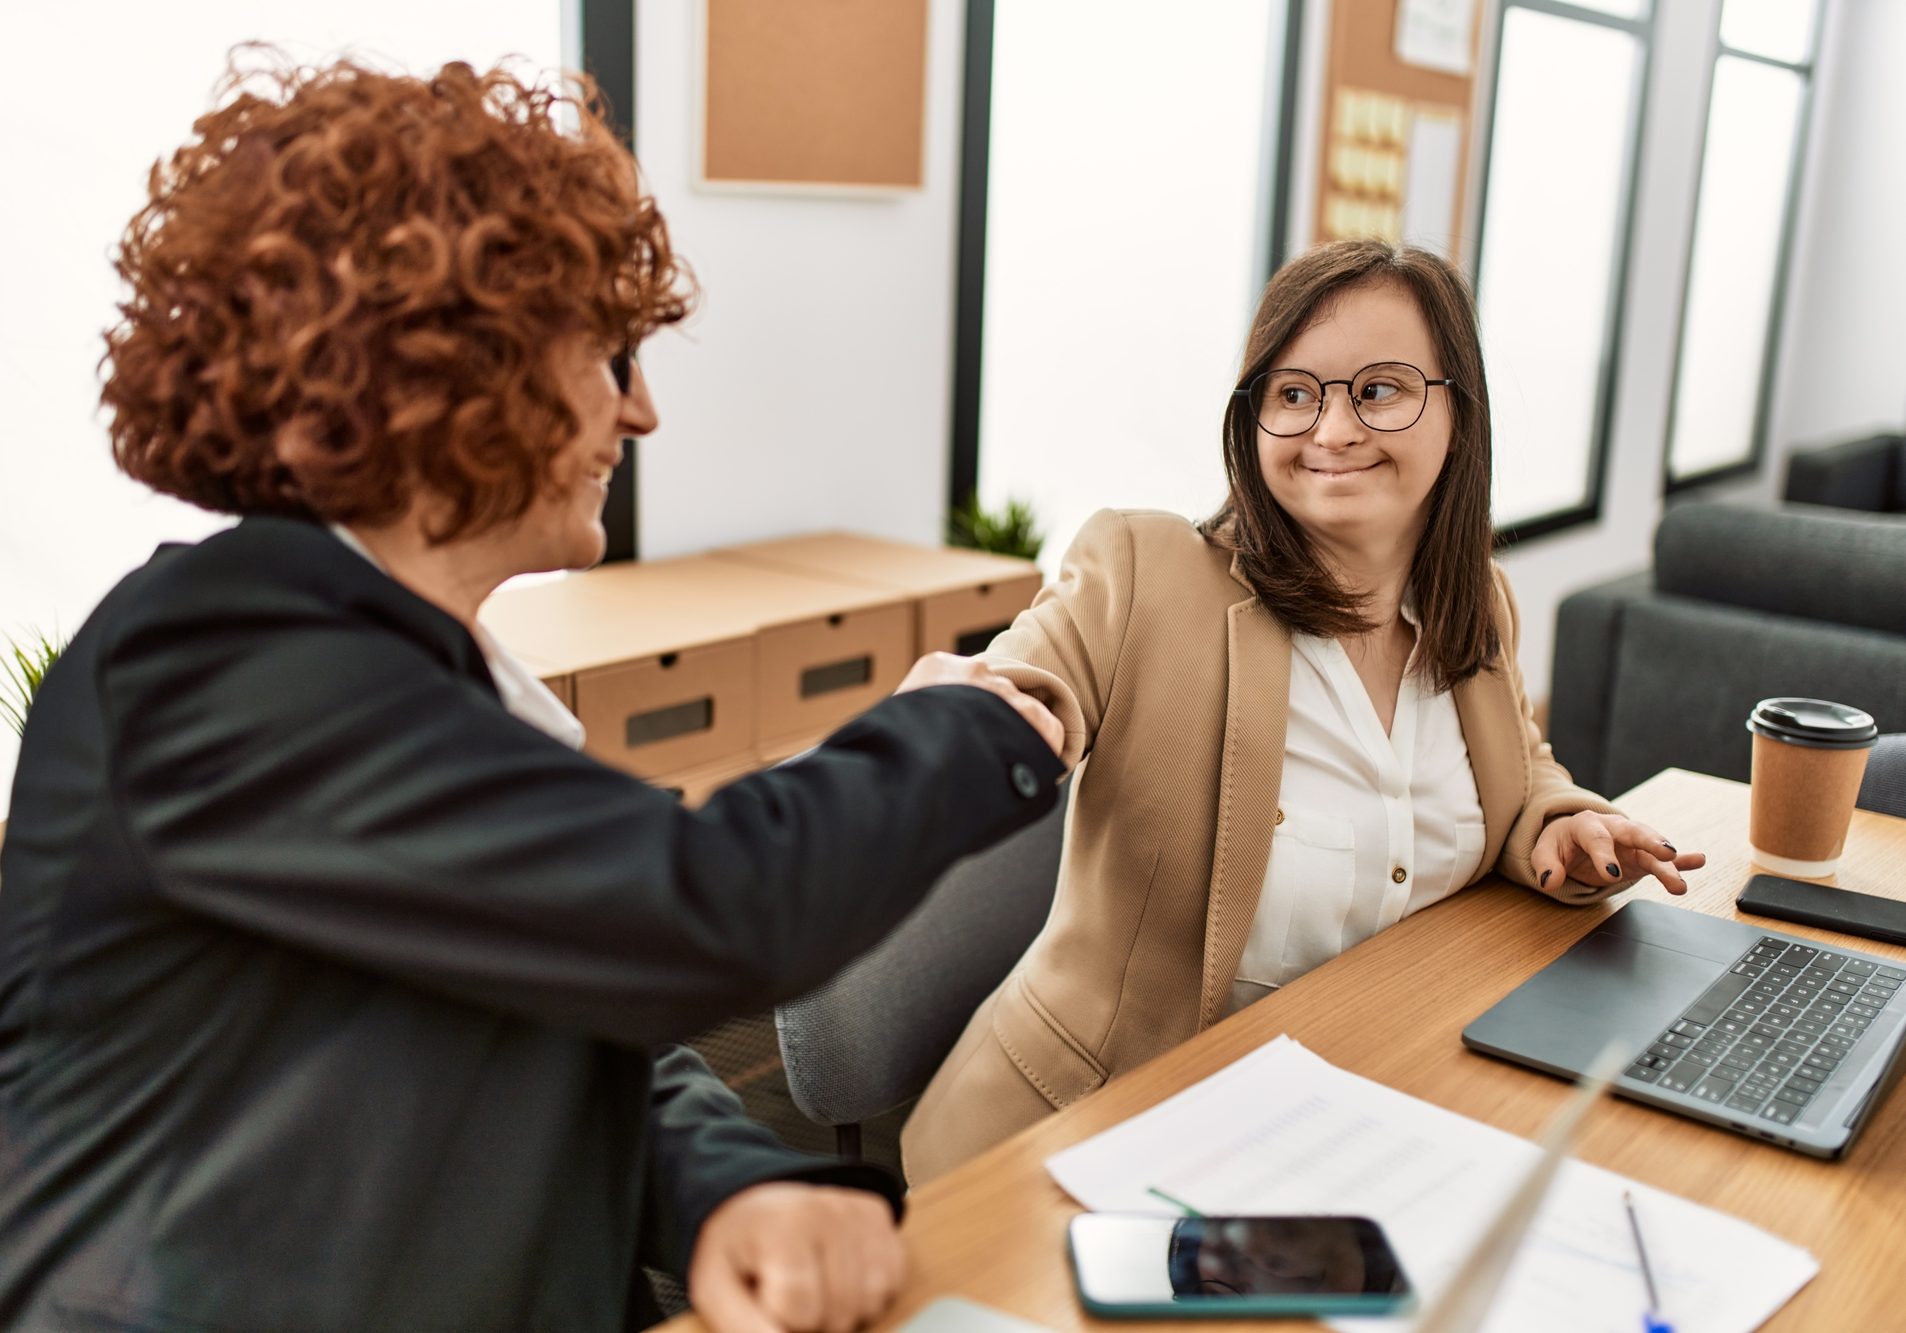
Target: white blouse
[(1371, 827)]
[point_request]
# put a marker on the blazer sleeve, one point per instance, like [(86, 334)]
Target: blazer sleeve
[(315, 779), (703, 1150), (1552, 792), (1064, 649)]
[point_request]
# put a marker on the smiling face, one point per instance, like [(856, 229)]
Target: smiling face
[(563, 528), (1346, 484)]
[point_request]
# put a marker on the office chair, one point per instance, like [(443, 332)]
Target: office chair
[(1884, 787), (871, 1039)]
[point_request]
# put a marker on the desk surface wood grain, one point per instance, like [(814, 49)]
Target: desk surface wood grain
[(1392, 1010)]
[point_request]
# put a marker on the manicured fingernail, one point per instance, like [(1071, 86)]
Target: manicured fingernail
[(1614, 871), (1545, 878), (1669, 846)]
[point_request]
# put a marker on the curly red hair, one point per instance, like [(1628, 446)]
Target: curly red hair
[(347, 285)]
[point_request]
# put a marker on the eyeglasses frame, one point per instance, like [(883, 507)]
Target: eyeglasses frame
[(1323, 393)]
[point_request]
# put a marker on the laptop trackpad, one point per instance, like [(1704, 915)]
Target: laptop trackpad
[(1605, 989)]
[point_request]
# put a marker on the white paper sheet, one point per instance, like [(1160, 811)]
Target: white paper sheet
[(1284, 1131), (952, 1314), (1435, 33)]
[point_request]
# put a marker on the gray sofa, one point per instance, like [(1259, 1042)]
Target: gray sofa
[(1853, 474), (1659, 669)]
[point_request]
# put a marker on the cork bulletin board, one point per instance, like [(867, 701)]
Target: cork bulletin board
[(825, 95), (1397, 132)]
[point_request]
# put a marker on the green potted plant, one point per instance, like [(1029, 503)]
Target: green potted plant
[(23, 665), (1011, 530)]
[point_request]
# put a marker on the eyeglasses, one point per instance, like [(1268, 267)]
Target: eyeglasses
[(1389, 395)]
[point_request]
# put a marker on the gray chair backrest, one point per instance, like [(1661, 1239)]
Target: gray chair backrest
[(871, 1039), (1884, 787)]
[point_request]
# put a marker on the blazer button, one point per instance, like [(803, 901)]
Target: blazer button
[(1399, 874), (1280, 817), (1025, 781)]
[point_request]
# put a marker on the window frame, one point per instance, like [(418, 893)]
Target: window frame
[(1589, 511), (1783, 264), (608, 43)]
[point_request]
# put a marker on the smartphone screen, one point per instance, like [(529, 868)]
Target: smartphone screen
[(1194, 1261)]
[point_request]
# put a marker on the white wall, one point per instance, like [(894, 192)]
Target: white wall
[(814, 387), (94, 94)]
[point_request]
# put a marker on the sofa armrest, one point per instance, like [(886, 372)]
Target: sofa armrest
[(1582, 675)]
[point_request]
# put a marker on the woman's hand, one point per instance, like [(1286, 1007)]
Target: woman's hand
[(949, 669), (791, 1258), (1600, 849)]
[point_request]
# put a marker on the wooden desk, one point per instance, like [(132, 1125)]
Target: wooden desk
[(1392, 1010)]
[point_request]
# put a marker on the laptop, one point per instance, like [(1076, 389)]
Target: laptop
[(1770, 1035)]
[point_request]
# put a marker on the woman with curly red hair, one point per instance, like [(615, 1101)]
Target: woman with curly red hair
[(338, 989)]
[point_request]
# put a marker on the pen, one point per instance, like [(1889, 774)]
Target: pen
[(1651, 1322), (1179, 1204)]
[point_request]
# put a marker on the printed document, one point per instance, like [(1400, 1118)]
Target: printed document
[(1284, 1131)]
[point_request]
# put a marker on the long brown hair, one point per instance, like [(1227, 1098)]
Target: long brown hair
[(1450, 575)]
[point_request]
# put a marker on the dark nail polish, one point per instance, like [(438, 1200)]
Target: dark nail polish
[(1545, 878), (1614, 871), (1670, 847)]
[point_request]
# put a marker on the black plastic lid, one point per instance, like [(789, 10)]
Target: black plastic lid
[(1814, 722)]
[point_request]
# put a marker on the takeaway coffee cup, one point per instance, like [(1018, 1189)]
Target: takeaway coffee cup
[(1809, 756)]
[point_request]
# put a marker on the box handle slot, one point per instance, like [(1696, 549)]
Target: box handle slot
[(664, 724), (834, 676), (976, 641)]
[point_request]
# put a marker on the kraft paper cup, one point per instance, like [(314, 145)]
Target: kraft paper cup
[(1809, 757)]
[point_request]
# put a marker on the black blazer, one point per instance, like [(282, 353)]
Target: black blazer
[(332, 996)]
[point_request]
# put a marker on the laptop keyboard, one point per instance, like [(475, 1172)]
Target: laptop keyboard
[(1769, 1033)]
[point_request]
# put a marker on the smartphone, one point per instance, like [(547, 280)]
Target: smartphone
[(1136, 1267), (1824, 905)]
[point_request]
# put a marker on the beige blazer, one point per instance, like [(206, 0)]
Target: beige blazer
[(1163, 666)]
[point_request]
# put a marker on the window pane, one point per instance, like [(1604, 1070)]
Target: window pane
[(1753, 119), (1777, 29), (1123, 250), (1558, 167), (1627, 9)]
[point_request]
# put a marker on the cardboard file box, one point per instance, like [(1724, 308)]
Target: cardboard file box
[(663, 712), (684, 664), (961, 599), (825, 650), (694, 786), (657, 690), (780, 751)]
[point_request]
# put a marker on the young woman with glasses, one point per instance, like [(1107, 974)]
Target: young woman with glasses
[(1304, 716)]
